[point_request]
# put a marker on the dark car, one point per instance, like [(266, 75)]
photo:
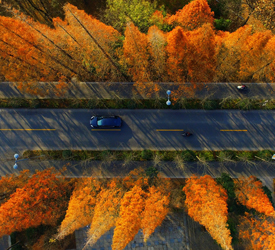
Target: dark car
[(105, 122)]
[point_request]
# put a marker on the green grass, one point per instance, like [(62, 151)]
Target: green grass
[(148, 155), (243, 104)]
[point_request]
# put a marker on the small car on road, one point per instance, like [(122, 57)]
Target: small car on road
[(105, 121)]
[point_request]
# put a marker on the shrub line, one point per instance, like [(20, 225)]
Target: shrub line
[(150, 155), (243, 104)]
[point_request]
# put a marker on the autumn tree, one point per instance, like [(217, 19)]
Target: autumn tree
[(177, 49), (129, 221), (263, 11), (193, 15), (96, 42), (257, 232), (155, 210), (42, 200), (206, 204), (136, 53), (9, 184), (81, 206), (106, 211), (42, 11), (249, 192), (229, 54)]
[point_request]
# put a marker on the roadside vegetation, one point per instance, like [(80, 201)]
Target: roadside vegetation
[(227, 208), (242, 104), (136, 41), (155, 156)]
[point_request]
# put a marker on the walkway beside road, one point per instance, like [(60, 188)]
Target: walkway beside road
[(172, 235), (124, 90), (265, 171), (177, 230)]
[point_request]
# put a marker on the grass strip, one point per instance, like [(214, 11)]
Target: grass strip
[(149, 155), (243, 104)]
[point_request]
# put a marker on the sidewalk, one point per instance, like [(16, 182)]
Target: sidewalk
[(177, 230), (110, 90), (265, 171), (172, 235)]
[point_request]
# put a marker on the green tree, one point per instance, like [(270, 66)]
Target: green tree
[(118, 12)]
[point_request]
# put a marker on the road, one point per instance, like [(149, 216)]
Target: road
[(22, 129)]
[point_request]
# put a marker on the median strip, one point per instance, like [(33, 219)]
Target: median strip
[(106, 129), (27, 129), (169, 129), (233, 130)]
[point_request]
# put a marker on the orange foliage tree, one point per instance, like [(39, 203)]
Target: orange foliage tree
[(106, 211), (129, 221), (136, 53), (253, 56), (43, 200), (9, 184), (81, 206), (206, 203), (249, 192), (155, 210), (229, 54), (193, 15), (257, 232)]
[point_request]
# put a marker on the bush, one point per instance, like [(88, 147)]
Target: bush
[(188, 155), (146, 154), (245, 155), (151, 172), (222, 24), (35, 103), (66, 154), (265, 155), (207, 155)]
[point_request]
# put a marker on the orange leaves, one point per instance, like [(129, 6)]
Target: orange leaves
[(257, 232), (42, 200), (177, 42), (106, 213), (9, 183), (193, 15), (81, 206), (136, 53), (128, 223), (206, 203), (249, 193), (155, 211), (201, 54), (253, 55)]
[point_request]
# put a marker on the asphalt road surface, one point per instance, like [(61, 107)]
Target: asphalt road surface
[(22, 129)]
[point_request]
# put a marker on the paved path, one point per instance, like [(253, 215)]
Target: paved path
[(263, 170), (22, 129), (172, 235), (110, 90)]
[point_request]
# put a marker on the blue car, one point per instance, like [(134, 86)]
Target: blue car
[(105, 122)]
